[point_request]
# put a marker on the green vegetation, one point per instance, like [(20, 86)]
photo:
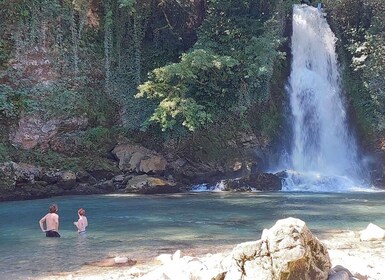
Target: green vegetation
[(170, 70), (192, 90), (227, 72), (95, 138), (12, 102), (361, 25), (4, 153)]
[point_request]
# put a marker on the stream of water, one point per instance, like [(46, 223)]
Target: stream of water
[(324, 154)]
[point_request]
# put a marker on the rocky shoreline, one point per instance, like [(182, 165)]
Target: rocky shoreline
[(130, 169), (292, 250)]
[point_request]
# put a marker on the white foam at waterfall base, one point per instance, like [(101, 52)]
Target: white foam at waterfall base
[(324, 152), (218, 187), (316, 182)]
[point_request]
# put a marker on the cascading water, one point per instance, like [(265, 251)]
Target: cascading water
[(324, 154)]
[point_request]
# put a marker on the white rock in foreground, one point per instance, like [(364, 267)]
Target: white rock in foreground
[(120, 260), (372, 233), (288, 250)]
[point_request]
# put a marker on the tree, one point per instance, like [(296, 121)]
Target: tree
[(190, 92), (228, 70)]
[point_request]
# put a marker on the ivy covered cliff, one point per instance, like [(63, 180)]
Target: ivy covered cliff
[(201, 83)]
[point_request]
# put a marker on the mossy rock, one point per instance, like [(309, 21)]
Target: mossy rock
[(96, 163), (8, 179)]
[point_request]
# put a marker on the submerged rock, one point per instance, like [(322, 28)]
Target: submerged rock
[(111, 262)]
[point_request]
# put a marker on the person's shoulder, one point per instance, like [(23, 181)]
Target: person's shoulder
[(44, 217)]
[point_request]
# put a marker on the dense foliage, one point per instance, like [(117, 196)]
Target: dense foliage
[(96, 54), (172, 67), (361, 25), (228, 70)]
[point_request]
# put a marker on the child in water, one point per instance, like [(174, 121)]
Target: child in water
[(82, 222)]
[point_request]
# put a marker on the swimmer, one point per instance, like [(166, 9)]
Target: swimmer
[(82, 222), (51, 221)]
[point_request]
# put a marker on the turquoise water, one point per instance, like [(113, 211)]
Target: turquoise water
[(140, 227)]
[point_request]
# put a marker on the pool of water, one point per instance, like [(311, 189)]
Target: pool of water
[(141, 227)]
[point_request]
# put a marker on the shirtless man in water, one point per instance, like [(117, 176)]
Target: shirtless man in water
[(51, 221)]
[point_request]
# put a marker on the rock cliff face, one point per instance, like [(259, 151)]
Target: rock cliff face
[(34, 132)]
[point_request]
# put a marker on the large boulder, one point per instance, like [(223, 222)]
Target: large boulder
[(257, 182), (144, 184), (287, 251), (12, 173), (20, 181), (265, 182), (134, 158), (372, 233), (189, 172), (67, 180)]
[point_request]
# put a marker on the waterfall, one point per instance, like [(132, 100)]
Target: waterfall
[(324, 154)]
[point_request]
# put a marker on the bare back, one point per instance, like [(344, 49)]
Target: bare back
[(51, 220)]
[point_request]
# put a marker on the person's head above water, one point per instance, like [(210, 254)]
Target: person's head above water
[(82, 212), (53, 208)]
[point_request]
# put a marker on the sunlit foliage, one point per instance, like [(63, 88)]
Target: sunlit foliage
[(229, 69), (192, 90), (362, 25)]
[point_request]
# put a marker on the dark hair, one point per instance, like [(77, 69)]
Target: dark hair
[(53, 208), (82, 212)]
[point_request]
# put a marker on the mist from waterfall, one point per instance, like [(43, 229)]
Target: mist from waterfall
[(324, 154)]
